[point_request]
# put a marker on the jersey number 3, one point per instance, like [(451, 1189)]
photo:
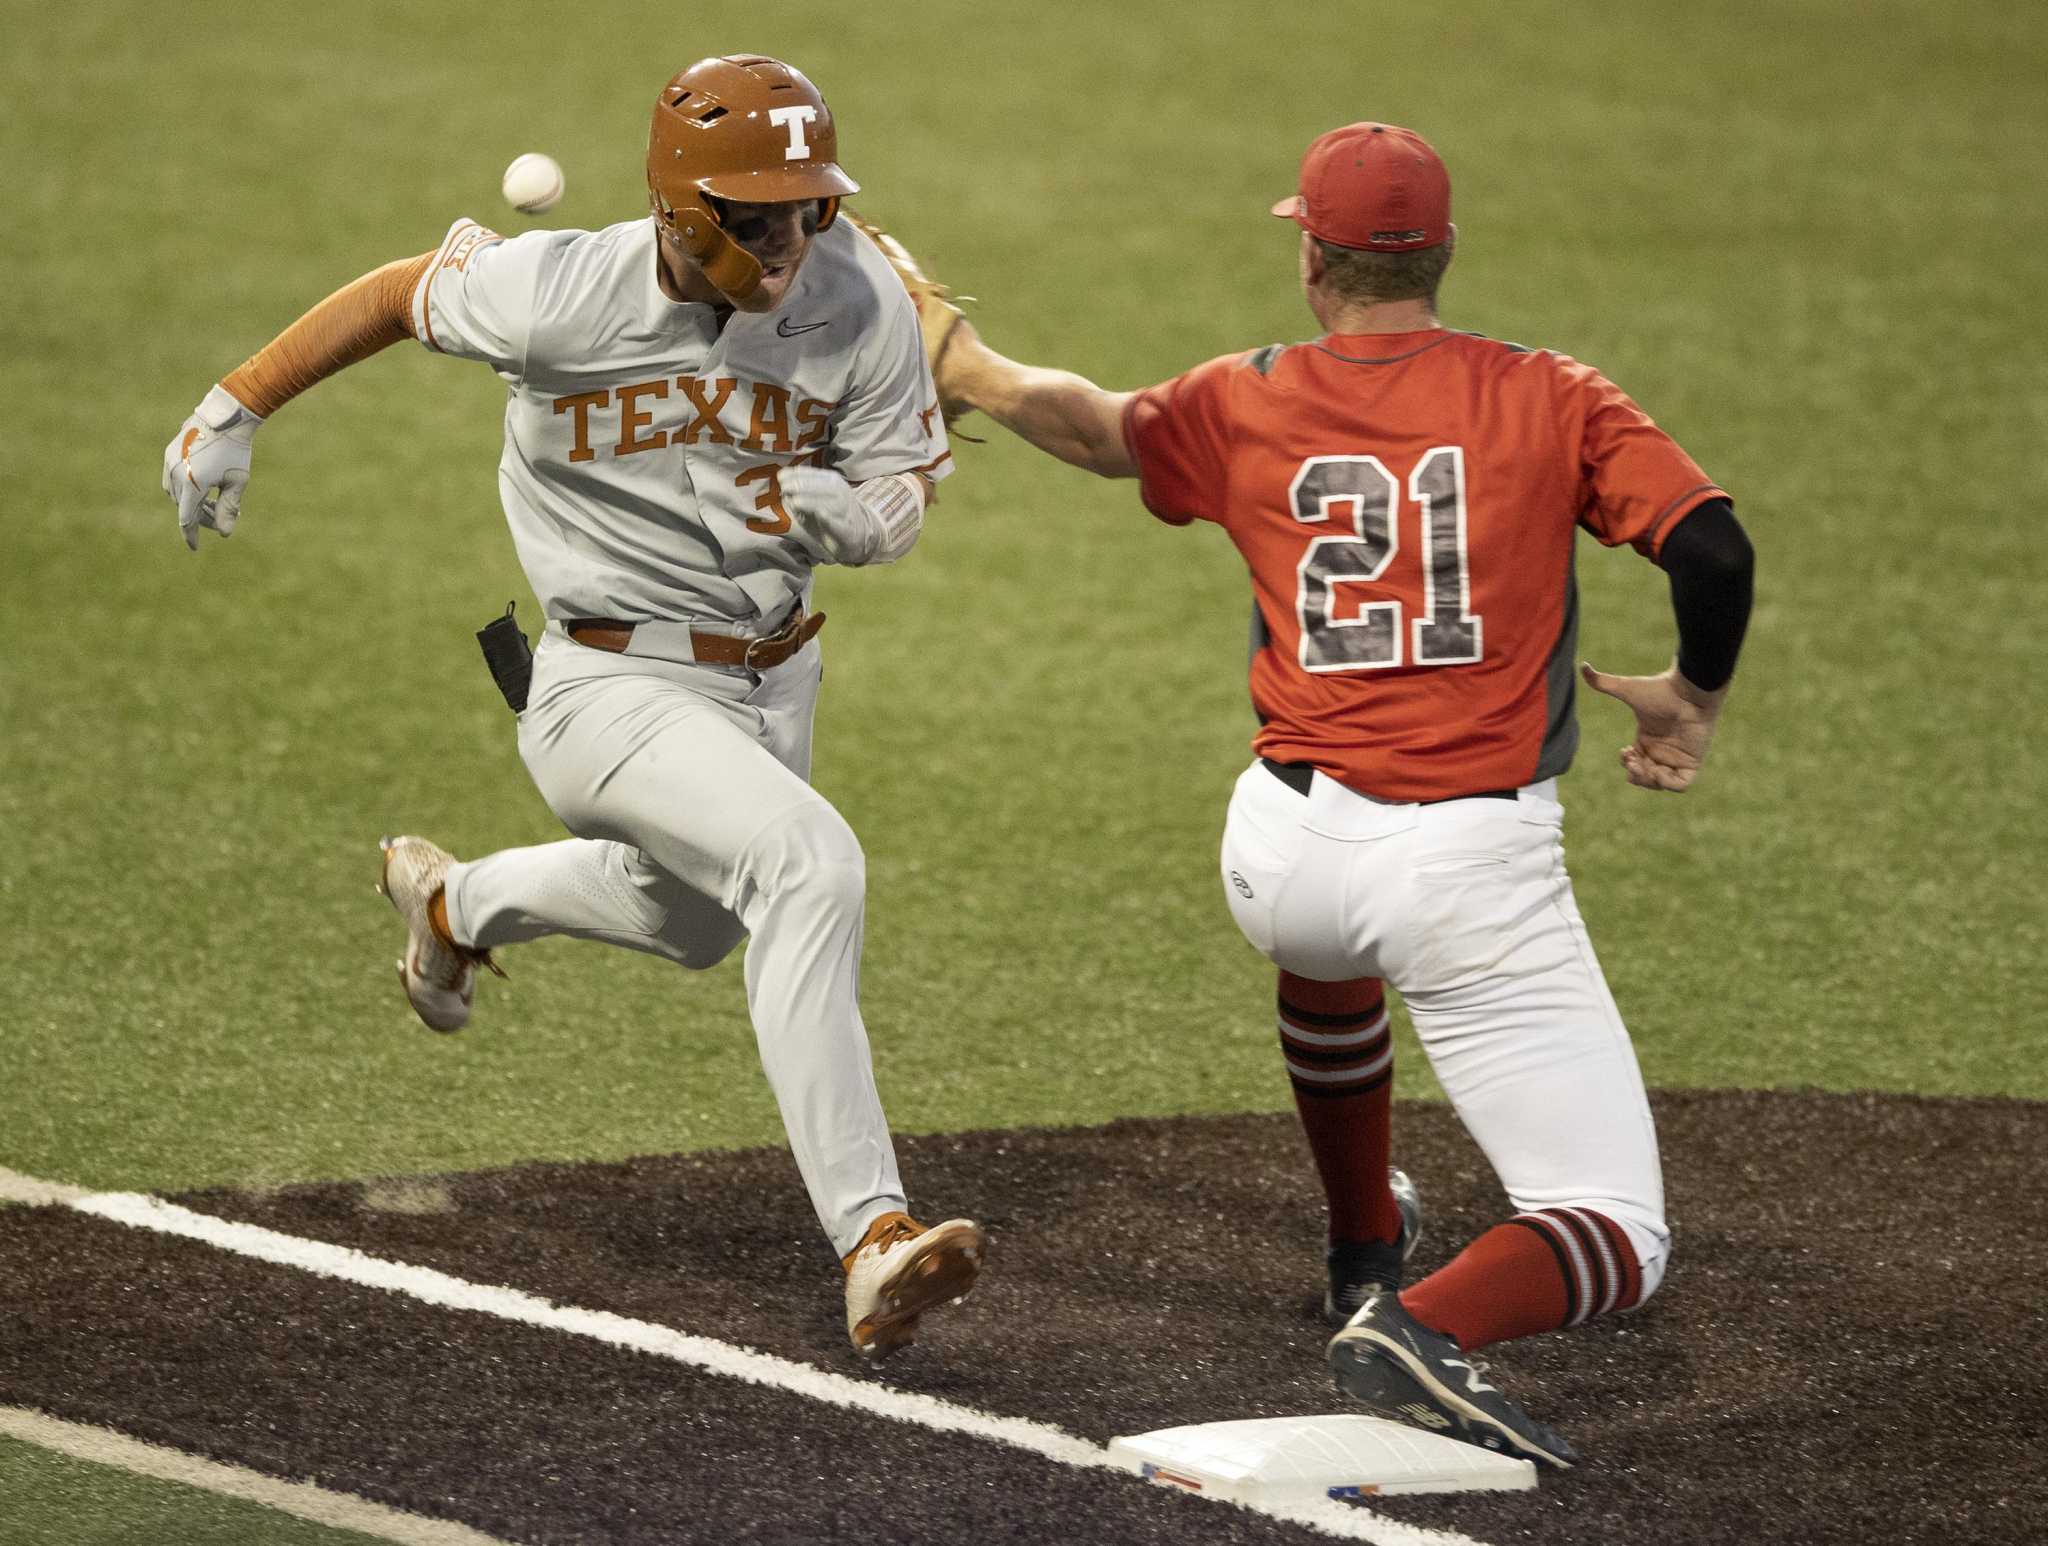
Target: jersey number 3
[(1371, 639)]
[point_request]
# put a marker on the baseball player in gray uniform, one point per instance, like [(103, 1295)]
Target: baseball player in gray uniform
[(702, 406)]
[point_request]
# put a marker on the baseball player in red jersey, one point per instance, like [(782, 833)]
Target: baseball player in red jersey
[(702, 405), (1406, 499)]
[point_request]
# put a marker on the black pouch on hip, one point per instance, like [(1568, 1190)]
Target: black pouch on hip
[(509, 656)]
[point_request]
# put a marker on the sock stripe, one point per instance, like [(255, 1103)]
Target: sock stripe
[(1536, 1227), (1335, 1067), (1347, 1063), (1338, 1059), (1630, 1292), (1311, 1048), (1324, 1065), (1349, 1017), (1603, 1248), (1583, 1294), (1599, 1281), (1368, 1031)]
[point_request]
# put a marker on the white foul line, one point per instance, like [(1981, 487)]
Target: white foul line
[(140, 1211), (302, 1500)]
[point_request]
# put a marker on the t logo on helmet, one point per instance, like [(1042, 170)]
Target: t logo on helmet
[(794, 118)]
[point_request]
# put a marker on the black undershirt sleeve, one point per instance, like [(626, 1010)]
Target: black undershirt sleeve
[(1711, 565)]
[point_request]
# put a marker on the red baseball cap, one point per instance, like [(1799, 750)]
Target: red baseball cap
[(1372, 185)]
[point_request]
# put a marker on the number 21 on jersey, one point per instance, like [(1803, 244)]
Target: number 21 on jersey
[(1371, 640)]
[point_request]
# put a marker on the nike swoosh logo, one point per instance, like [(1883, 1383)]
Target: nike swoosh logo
[(782, 326)]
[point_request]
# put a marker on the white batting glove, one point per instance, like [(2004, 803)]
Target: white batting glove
[(206, 465), (874, 523)]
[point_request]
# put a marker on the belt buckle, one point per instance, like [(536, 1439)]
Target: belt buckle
[(783, 635)]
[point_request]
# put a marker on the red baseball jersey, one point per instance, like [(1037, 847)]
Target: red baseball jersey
[(1406, 504)]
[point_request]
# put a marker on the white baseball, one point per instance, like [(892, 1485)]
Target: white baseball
[(533, 183)]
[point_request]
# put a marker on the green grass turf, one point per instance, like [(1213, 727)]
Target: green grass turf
[(1806, 237), (54, 1500)]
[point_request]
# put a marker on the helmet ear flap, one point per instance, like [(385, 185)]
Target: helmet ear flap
[(695, 226), (732, 269)]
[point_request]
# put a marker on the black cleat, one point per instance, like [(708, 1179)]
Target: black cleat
[(1401, 1369), (1361, 1268)]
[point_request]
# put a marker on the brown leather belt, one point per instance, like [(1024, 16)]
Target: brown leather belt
[(718, 649)]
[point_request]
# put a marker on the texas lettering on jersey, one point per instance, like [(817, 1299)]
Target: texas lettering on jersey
[(722, 410)]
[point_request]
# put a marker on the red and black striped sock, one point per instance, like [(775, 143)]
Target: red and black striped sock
[(1340, 1060), (1537, 1272)]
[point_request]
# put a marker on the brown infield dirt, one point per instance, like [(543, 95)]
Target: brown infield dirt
[(1849, 1346)]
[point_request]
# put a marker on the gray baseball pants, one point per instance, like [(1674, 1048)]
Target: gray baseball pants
[(686, 786)]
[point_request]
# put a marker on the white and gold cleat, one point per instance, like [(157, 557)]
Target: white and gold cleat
[(439, 976), (899, 1270)]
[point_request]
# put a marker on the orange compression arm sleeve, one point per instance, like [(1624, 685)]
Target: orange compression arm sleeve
[(353, 323)]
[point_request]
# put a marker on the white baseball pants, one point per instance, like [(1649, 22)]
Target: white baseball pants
[(685, 785), (1466, 910)]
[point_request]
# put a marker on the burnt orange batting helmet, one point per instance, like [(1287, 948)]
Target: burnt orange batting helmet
[(747, 128)]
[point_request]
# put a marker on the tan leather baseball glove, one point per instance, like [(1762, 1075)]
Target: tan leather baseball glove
[(938, 318)]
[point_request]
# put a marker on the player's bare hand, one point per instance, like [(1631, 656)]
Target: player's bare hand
[(206, 465), (1674, 724)]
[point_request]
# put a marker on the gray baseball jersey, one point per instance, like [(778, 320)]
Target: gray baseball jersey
[(643, 443)]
